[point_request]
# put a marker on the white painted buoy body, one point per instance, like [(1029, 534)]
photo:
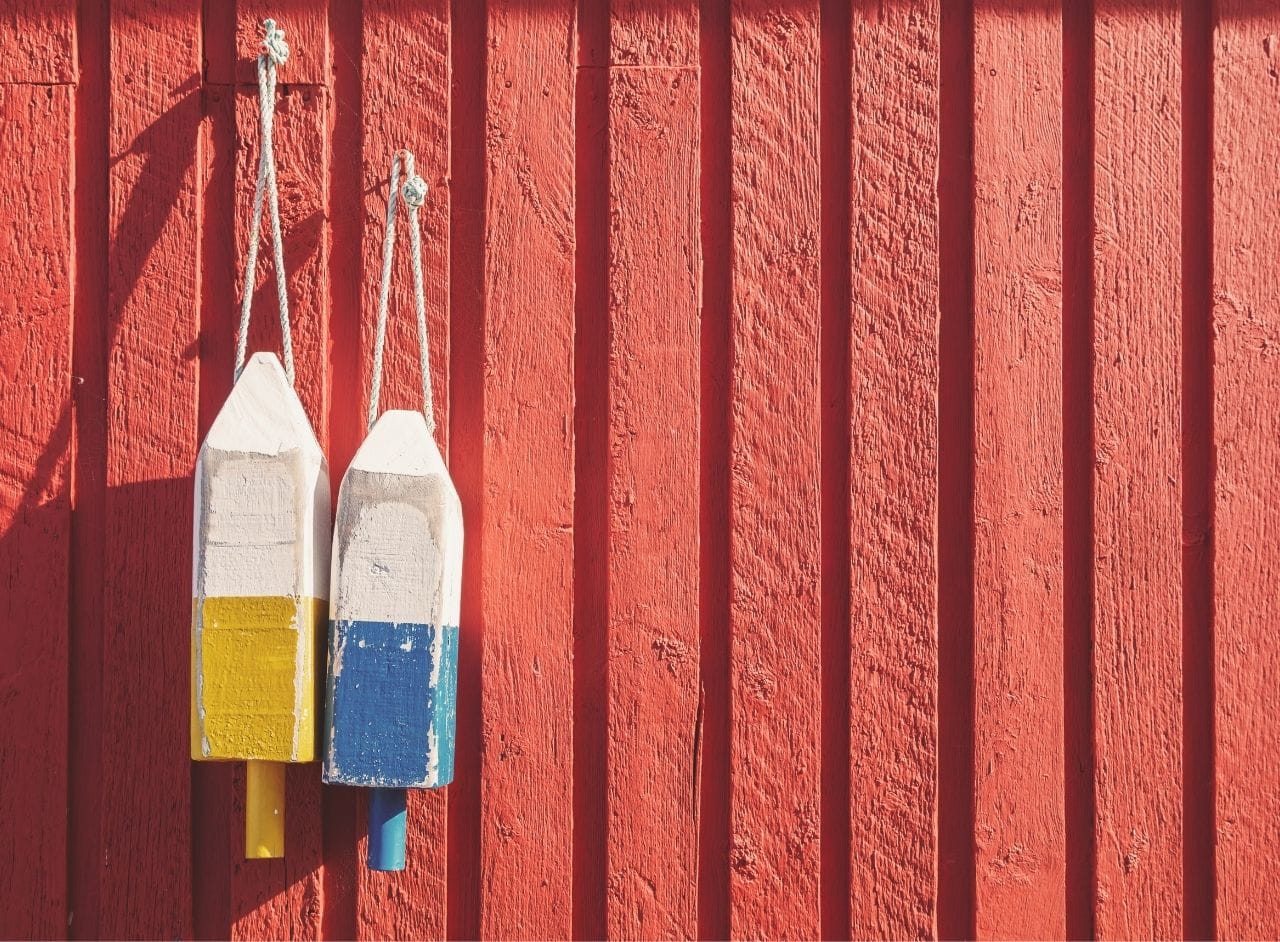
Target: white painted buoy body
[(260, 584), (390, 705)]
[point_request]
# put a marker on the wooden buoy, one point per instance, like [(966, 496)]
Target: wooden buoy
[(261, 577), (390, 702)]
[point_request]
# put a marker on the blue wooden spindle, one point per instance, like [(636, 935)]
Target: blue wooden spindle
[(386, 828)]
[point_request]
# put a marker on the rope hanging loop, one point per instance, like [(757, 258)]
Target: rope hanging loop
[(414, 192), (275, 53)]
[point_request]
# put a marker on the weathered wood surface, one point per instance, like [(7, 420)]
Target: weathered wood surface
[(775, 615), (1019, 825), (893, 471), (35, 502), (1246, 442), (653, 309), (39, 42), (525, 571), (1137, 540), (868, 405)]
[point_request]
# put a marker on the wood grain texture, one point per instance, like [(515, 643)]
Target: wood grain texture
[(774, 504), (653, 33), (405, 104), (38, 42), (145, 875), (36, 235), (1018, 558), (1137, 546), (893, 500), (527, 530), (1246, 433), (277, 898), (654, 298)]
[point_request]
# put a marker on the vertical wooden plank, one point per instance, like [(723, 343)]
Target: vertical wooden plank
[(1137, 547), (527, 529), (281, 898), (404, 38), (775, 613), (654, 299), (35, 505), (1018, 555), (36, 268), (1246, 424), (893, 470), (145, 874)]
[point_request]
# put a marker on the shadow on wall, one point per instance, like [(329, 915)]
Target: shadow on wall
[(33, 568), (131, 826)]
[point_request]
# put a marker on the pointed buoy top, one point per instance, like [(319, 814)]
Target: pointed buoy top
[(263, 414), (399, 443)]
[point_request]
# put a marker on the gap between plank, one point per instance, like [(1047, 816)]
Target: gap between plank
[(90, 242), (1199, 871), (339, 806), (1078, 463), (591, 484), (957, 851), (835, 96), (467, 182), (714, 805)]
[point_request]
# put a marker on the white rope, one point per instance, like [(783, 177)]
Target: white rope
[(275, 53), (413, 192)]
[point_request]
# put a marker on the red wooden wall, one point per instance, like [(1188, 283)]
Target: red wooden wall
[(866, 417)]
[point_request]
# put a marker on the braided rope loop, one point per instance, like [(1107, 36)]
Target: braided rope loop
[(414, 192), (275, 52)]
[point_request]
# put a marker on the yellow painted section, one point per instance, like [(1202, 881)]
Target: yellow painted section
[(263, 810), (255, 678)]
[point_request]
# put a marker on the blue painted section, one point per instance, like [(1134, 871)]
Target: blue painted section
[(381, 708), (386, 828)]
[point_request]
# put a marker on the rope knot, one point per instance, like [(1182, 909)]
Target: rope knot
[(414, 191), (273, 43)]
